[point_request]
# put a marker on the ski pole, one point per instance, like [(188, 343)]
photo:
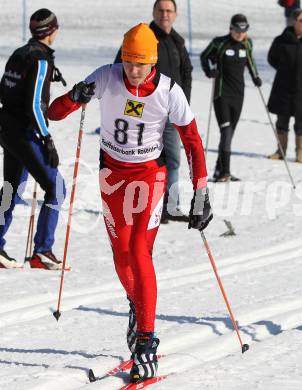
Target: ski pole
[(57, 313), (278, 141), (209, 119), (29, 241), (244, 347)]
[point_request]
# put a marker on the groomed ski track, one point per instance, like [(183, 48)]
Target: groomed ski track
[(189, 342)]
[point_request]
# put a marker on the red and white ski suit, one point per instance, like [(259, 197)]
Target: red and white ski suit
[(133, 173)]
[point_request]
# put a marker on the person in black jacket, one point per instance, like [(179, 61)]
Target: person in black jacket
[(24, 136), (225, 59), (174, 62), (285, 55)]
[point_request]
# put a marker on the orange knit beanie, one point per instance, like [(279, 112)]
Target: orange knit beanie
[(140, 45)]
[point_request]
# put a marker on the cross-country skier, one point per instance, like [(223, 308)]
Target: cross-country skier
[(173, 61), (26, 141), (225, 59), (135, 103)]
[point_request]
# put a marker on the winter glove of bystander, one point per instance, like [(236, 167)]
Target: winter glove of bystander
[(257, 81), (201, 213), (52, 156), (212, 73), (82, 92)]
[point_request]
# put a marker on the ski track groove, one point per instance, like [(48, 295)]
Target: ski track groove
[(206, 346), (204, 343), (26, 310)]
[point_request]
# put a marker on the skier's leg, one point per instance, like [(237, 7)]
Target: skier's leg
[(282, 127), (119, 232), (51, 181), (236, 108), (298, 132), (13, 174), (223, 115), (29, 151), (143, 234)]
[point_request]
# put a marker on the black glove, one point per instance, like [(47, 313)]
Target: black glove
[(82, 92), (201, 213), (212, 73), (52, 156), (257, 81), (57, 76)]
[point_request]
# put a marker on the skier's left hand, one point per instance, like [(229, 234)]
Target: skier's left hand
[(51, 151), (201, 212), (257, 81)]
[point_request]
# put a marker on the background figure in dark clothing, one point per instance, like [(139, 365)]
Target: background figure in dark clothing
[(285, 55), (24, 136), (225, 59), (289, 7), (174, 62)]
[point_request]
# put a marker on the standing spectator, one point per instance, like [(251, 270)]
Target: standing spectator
[(225, 59), (289, 7), (135, 102), (285, 55), (174, 62), (24, 136)]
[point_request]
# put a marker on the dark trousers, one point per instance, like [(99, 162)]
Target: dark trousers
[(227, 111), (171, 142), (23, 154), (282, 123)]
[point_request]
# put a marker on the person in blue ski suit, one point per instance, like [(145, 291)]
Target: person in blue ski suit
[(25, 139)]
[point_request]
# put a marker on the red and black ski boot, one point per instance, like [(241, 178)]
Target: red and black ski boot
[(145, 361)]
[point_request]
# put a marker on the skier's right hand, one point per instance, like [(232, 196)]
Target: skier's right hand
[(201, 212), (82, 92), (212, 73), (257, 81)]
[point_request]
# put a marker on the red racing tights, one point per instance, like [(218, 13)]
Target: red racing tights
[(132, 195)]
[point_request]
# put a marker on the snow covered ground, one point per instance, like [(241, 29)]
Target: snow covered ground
[(260, 267)]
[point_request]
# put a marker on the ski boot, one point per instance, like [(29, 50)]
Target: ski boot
[(46, 260), (8, 262), (223, 178), (144, 357)]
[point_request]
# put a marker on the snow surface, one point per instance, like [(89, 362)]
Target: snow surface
[(260, 267)]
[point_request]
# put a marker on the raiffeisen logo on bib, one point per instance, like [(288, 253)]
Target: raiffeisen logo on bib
[(134, 108)]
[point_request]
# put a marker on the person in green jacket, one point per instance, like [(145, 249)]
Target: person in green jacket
[(225, 59)]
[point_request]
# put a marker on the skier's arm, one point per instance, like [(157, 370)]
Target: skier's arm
[(251, 64), (183, 119), (208, 58), (200, 213), (93, 87), (35, 91), (61, 107)]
